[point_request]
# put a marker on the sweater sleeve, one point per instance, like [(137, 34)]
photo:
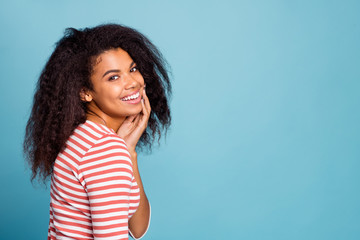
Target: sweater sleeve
[(107, 175)]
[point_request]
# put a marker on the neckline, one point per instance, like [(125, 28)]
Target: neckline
[(101, 125)]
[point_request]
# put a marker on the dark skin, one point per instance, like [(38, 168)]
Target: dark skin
[(114, 77)]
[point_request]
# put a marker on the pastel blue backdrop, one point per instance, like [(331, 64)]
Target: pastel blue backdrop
[(265, 141)]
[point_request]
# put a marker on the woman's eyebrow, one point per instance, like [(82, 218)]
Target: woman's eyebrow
[(117, 70), (110, 71)]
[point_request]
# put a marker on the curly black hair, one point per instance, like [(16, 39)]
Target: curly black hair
[(57, 108)]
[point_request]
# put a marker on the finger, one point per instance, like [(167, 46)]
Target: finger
[(144, 109), (147, 102), (137, 120), (144, 112), (134, 124), (130, 118), (143, 121)]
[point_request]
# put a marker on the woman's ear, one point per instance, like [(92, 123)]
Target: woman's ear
[(85, 95)]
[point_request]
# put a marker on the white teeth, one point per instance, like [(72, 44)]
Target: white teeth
[(136, 95)]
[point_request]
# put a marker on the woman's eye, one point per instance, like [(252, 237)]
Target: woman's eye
[(134, 69), (112, 78)]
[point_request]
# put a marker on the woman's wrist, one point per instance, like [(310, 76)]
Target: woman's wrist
[(133, 154)]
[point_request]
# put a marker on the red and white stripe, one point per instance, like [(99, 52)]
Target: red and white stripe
[(93, 189)]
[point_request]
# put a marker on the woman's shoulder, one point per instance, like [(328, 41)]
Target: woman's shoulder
[(90, 134), (93, 133), (91, 138), (102, 143), (93, 130)]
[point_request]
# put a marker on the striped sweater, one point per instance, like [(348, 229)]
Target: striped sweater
[(93, 189)]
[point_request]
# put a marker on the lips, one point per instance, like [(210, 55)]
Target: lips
[(131, 96)]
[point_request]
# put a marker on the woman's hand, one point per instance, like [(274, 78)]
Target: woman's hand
[(134, 126)]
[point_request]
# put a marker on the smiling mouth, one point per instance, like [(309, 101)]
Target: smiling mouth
[(131, 97)]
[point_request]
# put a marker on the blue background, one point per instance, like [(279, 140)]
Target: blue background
[(265, 140)]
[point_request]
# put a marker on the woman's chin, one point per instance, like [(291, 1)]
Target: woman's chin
[(135, 111)]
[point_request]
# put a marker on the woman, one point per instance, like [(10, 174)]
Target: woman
[(89, 118)]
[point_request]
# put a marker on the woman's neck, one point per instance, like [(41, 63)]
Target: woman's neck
[(97, 116)]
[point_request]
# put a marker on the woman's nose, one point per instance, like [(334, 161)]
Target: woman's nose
[(130, 81)]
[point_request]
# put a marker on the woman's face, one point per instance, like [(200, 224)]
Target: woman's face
[(117, 86)]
